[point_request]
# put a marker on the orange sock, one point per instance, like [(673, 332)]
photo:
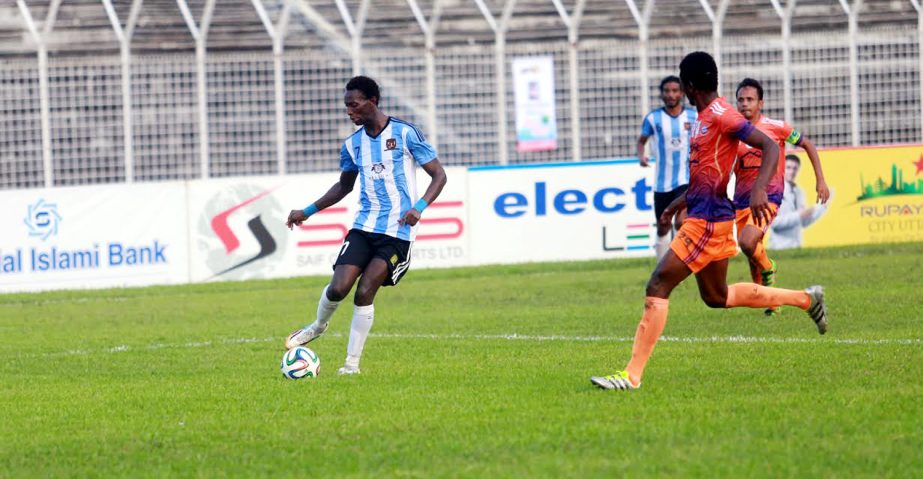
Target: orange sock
[(652, 322), (761, 258), (756, 296)]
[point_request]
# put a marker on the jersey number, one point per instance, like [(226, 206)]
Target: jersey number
[(345, 245)]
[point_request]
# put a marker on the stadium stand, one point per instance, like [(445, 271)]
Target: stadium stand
[(98, 131)]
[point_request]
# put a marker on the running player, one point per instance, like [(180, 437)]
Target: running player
[(383, 154), (749, 235), (706, 240), (670, 126)]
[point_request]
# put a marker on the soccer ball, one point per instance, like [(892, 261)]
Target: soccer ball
[(300, 362)]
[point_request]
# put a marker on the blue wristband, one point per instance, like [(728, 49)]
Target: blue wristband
[(310, 210), (420, 205)]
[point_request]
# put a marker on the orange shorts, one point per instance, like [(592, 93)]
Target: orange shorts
[(745, 217), (700, 242)]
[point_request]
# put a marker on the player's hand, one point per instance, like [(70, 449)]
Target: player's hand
[(645, 161), (671, 210), (411, 217), (823, 192), (296, 217), (759, 207)]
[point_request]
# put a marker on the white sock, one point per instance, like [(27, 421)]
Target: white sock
[(325, 308), (662, 245), (363, 316)]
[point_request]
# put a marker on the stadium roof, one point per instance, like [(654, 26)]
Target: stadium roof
[(82, 26)]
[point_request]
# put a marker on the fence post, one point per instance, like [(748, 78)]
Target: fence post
[(643, 19), (917, 7), (573, 40), (124, 37), (852, 11), (429, 32), (200, 34), (40, 39), (499, 29), (717, 23), (277, 34)]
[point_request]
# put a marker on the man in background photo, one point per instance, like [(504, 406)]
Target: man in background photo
[(795, 213)]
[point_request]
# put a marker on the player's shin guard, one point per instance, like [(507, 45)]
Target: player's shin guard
[(649, 330), (363, 316), (755, 296), (325, 308)]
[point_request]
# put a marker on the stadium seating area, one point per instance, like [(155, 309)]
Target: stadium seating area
[(89, 121)]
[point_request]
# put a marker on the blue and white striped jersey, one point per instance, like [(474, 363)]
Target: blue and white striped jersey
[(671, 146), (387, 175)]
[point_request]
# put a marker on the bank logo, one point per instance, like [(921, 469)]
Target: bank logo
[(880, 187), (236, 235), (42, 219)]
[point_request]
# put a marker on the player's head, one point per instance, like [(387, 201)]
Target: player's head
[(361, 99), (749, 98), (698, 74), (671, 92), (792, 165)]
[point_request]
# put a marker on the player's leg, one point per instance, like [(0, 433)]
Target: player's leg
[(390, 261), (371, 280), (354, 255), (662, 242), (752, 295), (670, 272), (751, 243), (712, 282), (713, 287), (750, 238)]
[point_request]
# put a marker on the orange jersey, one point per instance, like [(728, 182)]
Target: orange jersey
[(749, 161), (713, 145)]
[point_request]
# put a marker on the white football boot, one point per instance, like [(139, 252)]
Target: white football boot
[(818, 308), (305, 335)]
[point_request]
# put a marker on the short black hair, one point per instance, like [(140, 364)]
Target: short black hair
[(750, 82), (670, 79), (699, 70), (366, 85), (793, 158)]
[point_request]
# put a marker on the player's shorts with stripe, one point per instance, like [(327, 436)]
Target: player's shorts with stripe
[(700, 242), (745, 217), (361, 247)]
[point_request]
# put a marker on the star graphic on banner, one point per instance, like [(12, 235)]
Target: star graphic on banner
[(919, 165)]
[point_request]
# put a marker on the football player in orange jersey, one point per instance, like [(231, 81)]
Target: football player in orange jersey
[(749, 234), (706, 239)]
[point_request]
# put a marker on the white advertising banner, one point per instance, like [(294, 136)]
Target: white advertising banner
[(533, 87), (561, 211), (93, 237), (237, 227)]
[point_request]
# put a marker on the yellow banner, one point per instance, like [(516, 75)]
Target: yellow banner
[(877, 195)]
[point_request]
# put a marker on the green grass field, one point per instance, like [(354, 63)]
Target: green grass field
[(475, 372)]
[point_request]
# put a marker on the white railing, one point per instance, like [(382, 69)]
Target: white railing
[(129, 117)]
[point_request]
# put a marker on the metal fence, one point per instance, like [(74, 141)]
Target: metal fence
[(97, 119)]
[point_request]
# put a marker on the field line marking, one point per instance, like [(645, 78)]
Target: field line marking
[(490, 337)]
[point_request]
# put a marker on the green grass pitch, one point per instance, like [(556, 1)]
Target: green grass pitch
[(473, 372)]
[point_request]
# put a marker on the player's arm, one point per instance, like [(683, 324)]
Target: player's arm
[(759, 201), (642, 142), (647, 130), (437, 181), (823, 192), (337, 192)]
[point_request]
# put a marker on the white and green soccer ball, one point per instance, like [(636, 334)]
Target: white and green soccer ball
[(300, 362)]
